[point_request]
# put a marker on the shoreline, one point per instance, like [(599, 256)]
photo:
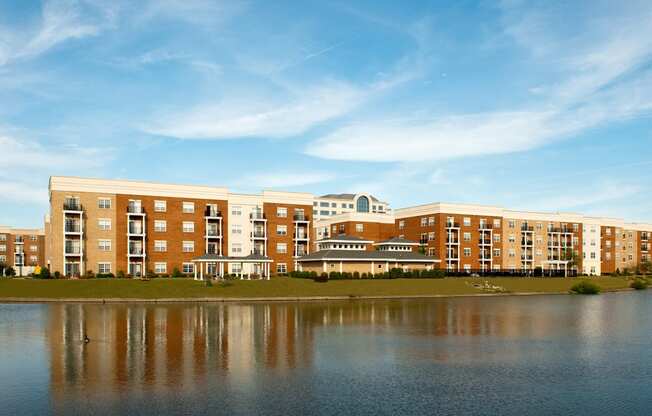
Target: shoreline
[(279, 299)]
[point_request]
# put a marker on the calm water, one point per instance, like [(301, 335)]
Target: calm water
[(511, 355)]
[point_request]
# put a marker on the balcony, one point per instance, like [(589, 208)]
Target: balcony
[(423, 241), (527, 257), (452, 241), (301, 236), (484, 241), (527, 228), (72, 250), (452, 225), (213, 233), (135, 209), (136, 229), (644, 247), (485, 227), (135, 251), (525, 242), (258, 234), (72, 205), (212, 213), (300, 217), (257, 216), (72, 228), (19, 239)]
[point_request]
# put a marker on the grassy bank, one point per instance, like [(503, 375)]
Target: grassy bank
[(281, 287)]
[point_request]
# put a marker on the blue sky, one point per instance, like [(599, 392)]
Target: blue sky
[(531, 105)]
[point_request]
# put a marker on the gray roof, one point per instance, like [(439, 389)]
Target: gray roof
[(397, 240), (216, 257), (367, 255), (342, 237), (346, 196)]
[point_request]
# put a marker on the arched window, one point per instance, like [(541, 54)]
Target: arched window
[(363, 204)]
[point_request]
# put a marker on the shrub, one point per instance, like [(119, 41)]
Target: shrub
[(9, 271), (121, 275), (209, 283), (57, 274), (364, 276), (356, 275), (176, 272), (585, 287), (639, 284), (395, 273), (104, 275), (43, 273), (322, 278), (150, 274)]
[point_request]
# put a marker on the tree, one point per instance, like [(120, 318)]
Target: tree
[(3, 266), (9, 271), (645, 266)]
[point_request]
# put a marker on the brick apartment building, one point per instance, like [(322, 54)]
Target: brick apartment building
[(22, 249)]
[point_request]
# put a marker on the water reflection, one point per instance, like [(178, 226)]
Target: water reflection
[(251, 358)]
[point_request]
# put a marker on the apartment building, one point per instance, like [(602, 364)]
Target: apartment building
[(368, 226), (107, 226), (330, 205), (22, 249)]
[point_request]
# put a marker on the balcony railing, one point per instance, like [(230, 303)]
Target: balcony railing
[(212, 233), (423, 241), (526, 242), (258, 234), (526, 257), (452, 240), (19, 239), (72, 250), (257, 216), (135, 209), (72, 205), (300, 217), (211, 212), (484, 241), (136, 250), (136, 229), (485, 227), (72, 228), (452, 225), (302, 236), (527, 228)]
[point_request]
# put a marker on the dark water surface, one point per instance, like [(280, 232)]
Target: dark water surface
[(509, 355)]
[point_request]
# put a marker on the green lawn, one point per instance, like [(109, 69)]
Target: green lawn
[(279, 287)]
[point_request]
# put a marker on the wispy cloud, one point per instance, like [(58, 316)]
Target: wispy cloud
[(602, 81)]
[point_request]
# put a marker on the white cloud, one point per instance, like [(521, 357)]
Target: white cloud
[(32, 155), (61, 20), (601, 82), (261, 116), (18, 191), (590, 196), (286, 179)]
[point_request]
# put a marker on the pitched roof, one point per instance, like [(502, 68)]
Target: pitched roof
[(365, 255), (343, 237), (346, 196), (397, 240)]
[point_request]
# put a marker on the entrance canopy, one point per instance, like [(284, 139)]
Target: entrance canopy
[(212, 265)]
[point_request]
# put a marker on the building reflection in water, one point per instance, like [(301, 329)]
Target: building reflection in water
[(142, 348)]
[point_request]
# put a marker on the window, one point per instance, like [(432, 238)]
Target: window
[(104, 203), (281, 268), (607, 231), (188, 207), (608, 243), (576, 227), (431, 221), (188, 246), (160, 268), (512, 239), (281, 212), (467, 267), (359, 228), (323, 212), (236, 248), (104, 245), (160, 225), (104, 224), (104, 268), (467, 236), (160, 206), (363, 204), (431, 236), (236, 268), (401, 224), (3, 237), (3, 247), (467, 252), (33, 238), (323, 204), (511, 223), (424, 237), (188, 227), (333, 205), (281, 248), (281, 230), (497, 238), (450, 221), (496, 252), (160, 246), (539, 252), (341, 228), (593, 254), (188, 268), (608, 256), (511, 253), (236, 210), (496, 223), (33, 248), (424, 221), (3, 259), (236, 229), (431, 251), (33, 259), (467, 221)]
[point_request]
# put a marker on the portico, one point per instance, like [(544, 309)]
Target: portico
[(212, 266)]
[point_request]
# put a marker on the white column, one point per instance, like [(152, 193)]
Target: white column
[(324, 266), (195, 278), (201, 271), (372, 267), (340, 266)]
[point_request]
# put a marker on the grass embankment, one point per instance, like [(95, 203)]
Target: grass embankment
[(281, 287)]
